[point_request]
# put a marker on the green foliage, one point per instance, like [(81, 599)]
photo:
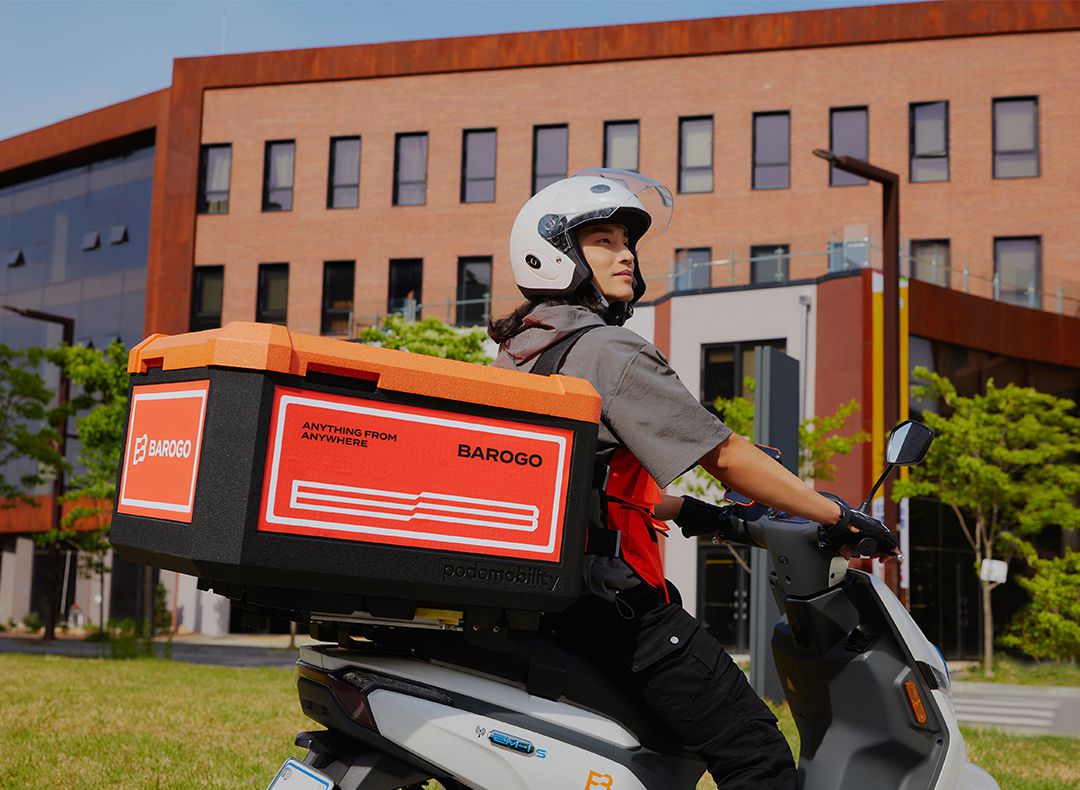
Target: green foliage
[(32, 622), (819, 440), (1049, 627), (430, 337), (162, 615), (1004, 463), (100, 379), (28, 425)]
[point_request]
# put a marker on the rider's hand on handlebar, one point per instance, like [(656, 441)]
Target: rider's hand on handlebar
[(702, 518), (858, 533)]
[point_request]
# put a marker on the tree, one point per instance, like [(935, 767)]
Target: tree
[(28, 426), (430, 337), (1049, 626), (1003, 464), (819, 437), (101, 379)]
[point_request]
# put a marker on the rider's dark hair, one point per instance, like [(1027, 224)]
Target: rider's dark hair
[(502, 329)]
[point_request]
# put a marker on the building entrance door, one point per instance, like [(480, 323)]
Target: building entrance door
[(724, 595)]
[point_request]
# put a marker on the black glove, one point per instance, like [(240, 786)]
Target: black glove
[(702, 518), (870, 539)]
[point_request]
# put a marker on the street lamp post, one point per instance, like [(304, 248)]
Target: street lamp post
[(52, 601), (890, 223)]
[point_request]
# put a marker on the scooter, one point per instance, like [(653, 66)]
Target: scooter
[(473, 704)]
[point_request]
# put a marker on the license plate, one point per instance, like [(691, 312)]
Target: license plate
[(294, 775)]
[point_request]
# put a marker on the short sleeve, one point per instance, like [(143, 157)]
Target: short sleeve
[(655, 417)]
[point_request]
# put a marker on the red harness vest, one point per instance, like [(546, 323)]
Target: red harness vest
[(629, 498)]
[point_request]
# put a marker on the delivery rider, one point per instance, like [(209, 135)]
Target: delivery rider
[(573, 250)]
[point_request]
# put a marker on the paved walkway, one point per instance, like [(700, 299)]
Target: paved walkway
[(1026, 710), (228, 651)]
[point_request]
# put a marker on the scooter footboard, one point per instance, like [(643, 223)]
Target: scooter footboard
[(844, 674)]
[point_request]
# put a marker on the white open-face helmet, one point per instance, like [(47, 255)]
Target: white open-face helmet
[(544, 253)]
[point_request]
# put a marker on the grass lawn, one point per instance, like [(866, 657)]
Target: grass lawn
[(89, 723), (1008, 669)]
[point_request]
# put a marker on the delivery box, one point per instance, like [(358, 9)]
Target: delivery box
[(315, 475)]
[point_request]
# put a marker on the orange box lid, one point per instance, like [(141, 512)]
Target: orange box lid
[(274, 348)]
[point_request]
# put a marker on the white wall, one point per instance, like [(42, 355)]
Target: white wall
[(196, 610), (729, 317)]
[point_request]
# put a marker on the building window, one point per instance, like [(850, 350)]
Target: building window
[(769, 263), (691, 269), (1018, 270), (1016, 138), (278, 175), (696, 154), (930, 261), (726, 367), (478, 166), (473, 291), (929, 141), (405, 294), (273, 298), (549, 155), (337, 297), (853, 254), (410, 169), (207, 289), (772, 150), (215, 162), (343, 188), (621, 145), (849, 134)]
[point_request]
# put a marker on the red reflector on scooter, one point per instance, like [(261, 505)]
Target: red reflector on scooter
[(915, 701)]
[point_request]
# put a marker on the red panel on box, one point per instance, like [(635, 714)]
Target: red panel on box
[(365, 470), (161, 459)]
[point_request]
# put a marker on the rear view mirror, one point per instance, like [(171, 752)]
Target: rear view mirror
[(908, 443)]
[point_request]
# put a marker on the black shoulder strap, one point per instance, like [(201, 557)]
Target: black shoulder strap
[(551, 359)]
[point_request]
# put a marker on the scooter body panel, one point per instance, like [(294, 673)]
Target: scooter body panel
[(488, 754), (499, 693)]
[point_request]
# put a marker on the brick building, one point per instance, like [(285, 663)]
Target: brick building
[(326, 188)]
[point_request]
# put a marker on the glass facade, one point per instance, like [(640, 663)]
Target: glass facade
[(621, 145), (45, 222), (849, 134), (343, 187), (337, 300), (929, 141), (930, 261), (474, 291), (410, 169), (769, 263), (405, 291), (207, 291), (549, 155), (278, 168), (772, 150), (478, 166), (1016, 138), (696, 154), (1018, 270), (689, 273)]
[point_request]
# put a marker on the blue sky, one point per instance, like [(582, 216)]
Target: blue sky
[(65, 57)]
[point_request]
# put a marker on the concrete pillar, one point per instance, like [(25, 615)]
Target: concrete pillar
[(197, 611), (16, 574)]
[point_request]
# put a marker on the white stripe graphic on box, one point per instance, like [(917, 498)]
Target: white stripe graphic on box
[(426, 504)]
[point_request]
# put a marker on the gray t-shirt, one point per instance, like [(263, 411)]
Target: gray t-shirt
[(646, 407)]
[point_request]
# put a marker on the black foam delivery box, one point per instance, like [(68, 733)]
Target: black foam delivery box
[(315, 475)]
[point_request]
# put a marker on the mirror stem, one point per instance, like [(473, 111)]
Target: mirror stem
[(865, 506)]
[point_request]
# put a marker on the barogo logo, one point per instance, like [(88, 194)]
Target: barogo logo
[(145, 447)]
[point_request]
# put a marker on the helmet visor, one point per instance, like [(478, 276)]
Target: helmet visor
[(598, 194)]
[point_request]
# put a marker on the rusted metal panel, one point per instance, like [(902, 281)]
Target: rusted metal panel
[(996, 327)]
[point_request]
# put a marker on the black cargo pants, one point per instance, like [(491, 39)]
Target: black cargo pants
[(687, 680)]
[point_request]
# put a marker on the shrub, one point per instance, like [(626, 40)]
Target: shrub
[(32, 622), (1049, 626)]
